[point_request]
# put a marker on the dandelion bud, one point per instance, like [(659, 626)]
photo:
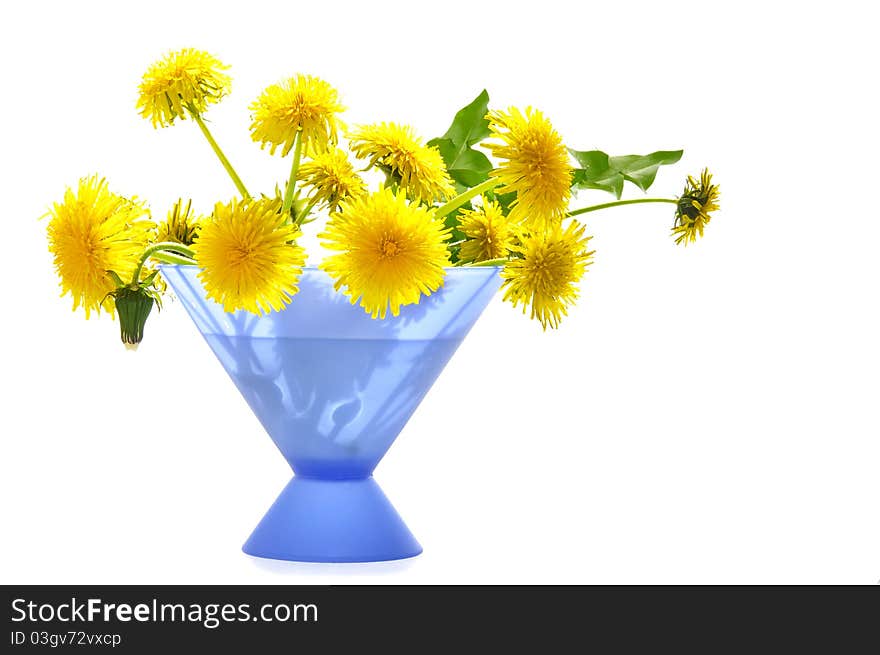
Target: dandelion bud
[(133, 305)]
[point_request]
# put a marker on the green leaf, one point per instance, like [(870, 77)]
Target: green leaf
[(469, 167), (641, 170), (599, 171), (596, 172), (470, 126), (505, 200)]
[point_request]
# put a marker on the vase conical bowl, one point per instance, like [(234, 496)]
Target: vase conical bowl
[(333, 388)]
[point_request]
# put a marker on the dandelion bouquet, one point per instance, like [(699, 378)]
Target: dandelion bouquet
[(441, 203), (417, 237)]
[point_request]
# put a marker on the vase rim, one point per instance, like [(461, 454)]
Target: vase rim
[(318, 268)]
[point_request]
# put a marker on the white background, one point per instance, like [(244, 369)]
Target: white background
[(705, 415)]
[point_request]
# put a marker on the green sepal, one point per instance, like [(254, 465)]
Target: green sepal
[(147, 281), (116, 279)]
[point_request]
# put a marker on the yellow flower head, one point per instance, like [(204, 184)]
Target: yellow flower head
[(692, 213), (490, 234), (249, 257), (181, 226), (303, 104), (396, 150), (536, 166), (93, 231), (546, 273), (389, 251), (332, 178), (182, 80)]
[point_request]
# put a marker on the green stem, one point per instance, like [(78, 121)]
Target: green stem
[(216, 148), (178, 249), (460, 199), (171, 258), (491, 262), (619, 203), (294, 168)]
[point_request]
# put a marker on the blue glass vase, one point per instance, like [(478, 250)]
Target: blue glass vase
[(334, 388)]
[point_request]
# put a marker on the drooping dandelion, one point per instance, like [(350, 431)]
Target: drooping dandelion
[(92, 232), (693, 211), (182, 81), (331, 178), (395, 149), (545, 275)]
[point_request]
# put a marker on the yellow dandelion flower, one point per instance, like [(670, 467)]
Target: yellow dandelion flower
[(93, 231), (490, 234), (536, 166), (183, 80), (692, 213), (332, 178), (390, 251), (303, 104), (396, 150), (182, 225), (546, 273), (249, 256)]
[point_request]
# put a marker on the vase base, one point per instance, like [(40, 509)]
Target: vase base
[(332, 521)]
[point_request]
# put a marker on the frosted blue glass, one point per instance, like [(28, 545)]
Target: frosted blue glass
[(333, 388)]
